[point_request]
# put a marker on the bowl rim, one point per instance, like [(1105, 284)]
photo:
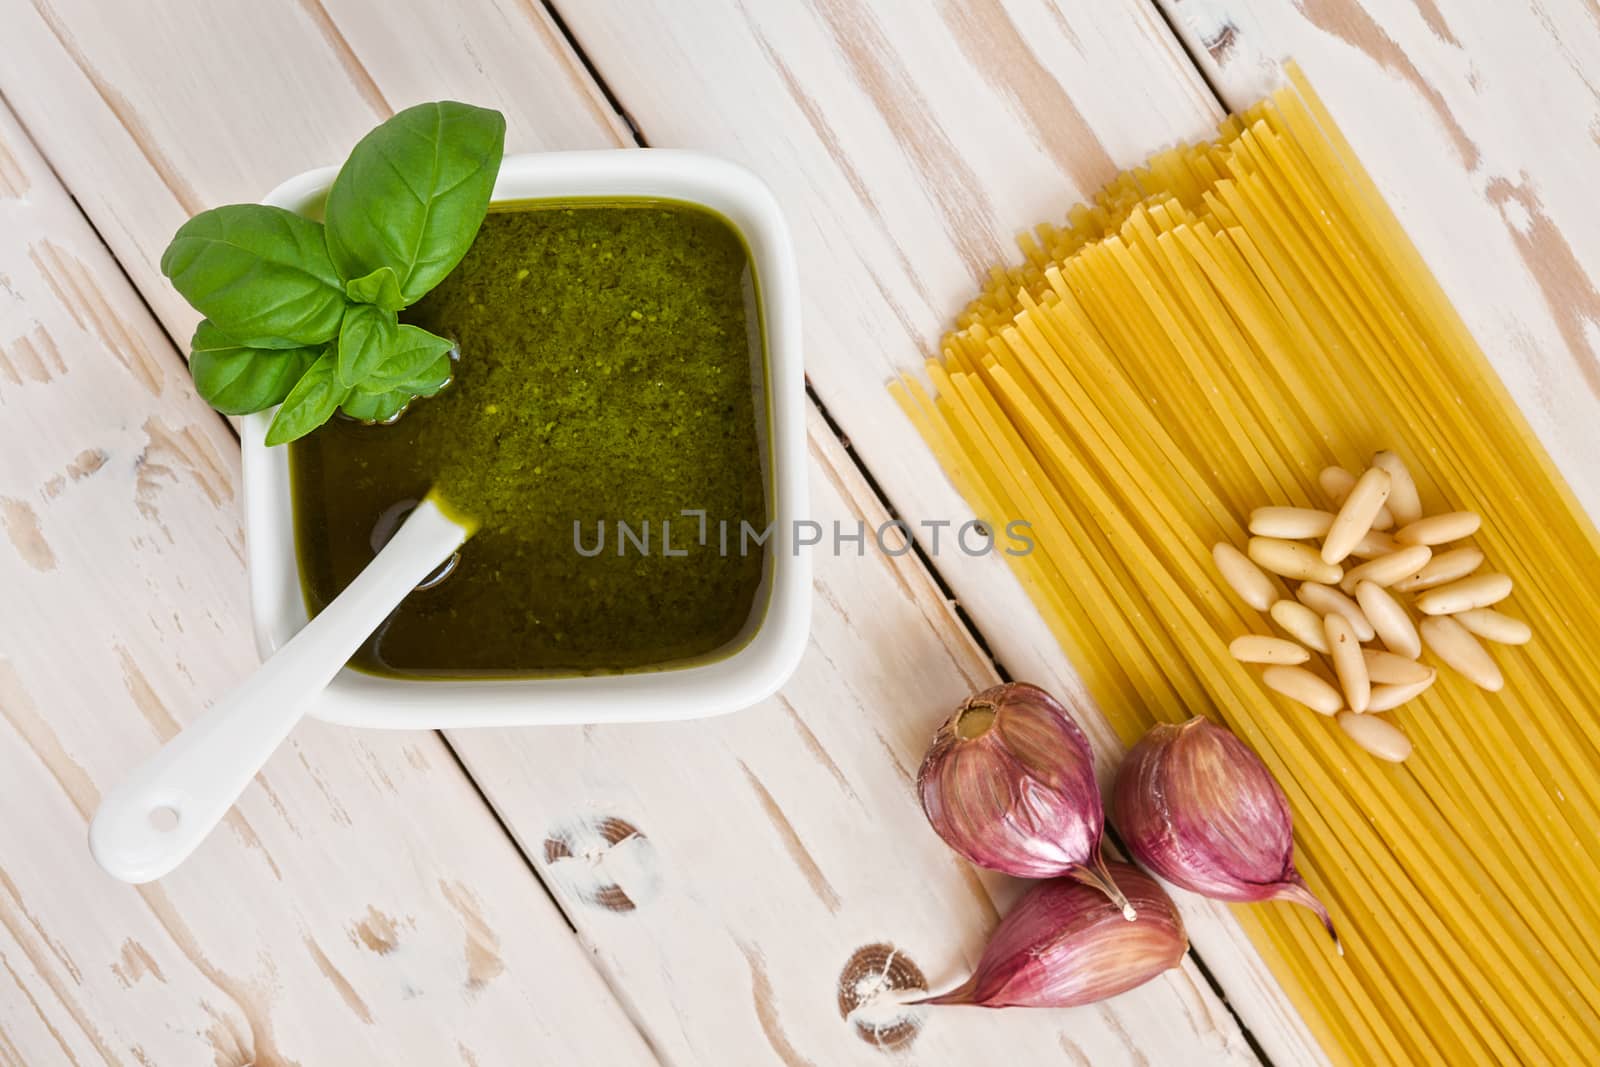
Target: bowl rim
[(738, 680)]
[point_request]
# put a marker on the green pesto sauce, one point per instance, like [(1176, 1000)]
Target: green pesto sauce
[(610, 368)]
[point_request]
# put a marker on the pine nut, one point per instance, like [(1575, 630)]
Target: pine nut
[(1439, 529), (1445, 567), (1290, 523), (1377, 736), (1303, 687), (1394, 627), (1493, 626), (1301, 623), (1356, 515), (1291, 559), (1244, 577), (1324, 599), (1389, 697), (1387, 570), (1386, 668), (1254, 648), (1460, 651), (1405, 504), (1348, 665), (1337, 483), (1478, 591), (1375, 544)]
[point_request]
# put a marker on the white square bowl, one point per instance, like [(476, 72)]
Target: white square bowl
[(777, 635)]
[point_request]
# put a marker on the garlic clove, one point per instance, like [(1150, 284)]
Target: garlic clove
[(1195, 805), (1009, 783), (1065, 944)]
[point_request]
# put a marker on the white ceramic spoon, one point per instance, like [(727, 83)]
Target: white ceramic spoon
[(154, 818)]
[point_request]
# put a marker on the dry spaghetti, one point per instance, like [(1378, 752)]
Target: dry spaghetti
[(1212, 332)]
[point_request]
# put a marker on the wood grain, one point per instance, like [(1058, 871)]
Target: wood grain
[(124, 613), (907, 153), (1481, 123), (751, 864), (715, 885), (260, 107)]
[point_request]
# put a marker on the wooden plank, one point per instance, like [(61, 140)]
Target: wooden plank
[(774, 845), (1481, 123), (907, 152), (362, 904), (782, 852), (145, 130)]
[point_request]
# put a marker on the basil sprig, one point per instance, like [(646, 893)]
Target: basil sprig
[(304, 313)]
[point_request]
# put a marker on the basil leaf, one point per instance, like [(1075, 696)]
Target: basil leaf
[(412, 351), (432, 378), (367, 335), (313, 400), (261, 274), (239, 381), (413, 194), (377, 407), (209, 335), (381, 287), (223, 339), (371, 405)]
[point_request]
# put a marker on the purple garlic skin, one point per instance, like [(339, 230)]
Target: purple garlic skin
[(1066, 944), (1195, 805), (1009, 783)]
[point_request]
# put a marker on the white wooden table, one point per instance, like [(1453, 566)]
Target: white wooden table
[(718, 892)]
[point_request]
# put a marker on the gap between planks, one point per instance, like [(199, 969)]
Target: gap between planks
[(525, 850), (963, 620), (1211, 89), (629, 1009), (88, 221), (597, 83)]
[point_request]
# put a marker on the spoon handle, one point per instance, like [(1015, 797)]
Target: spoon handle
[(155, 817)]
